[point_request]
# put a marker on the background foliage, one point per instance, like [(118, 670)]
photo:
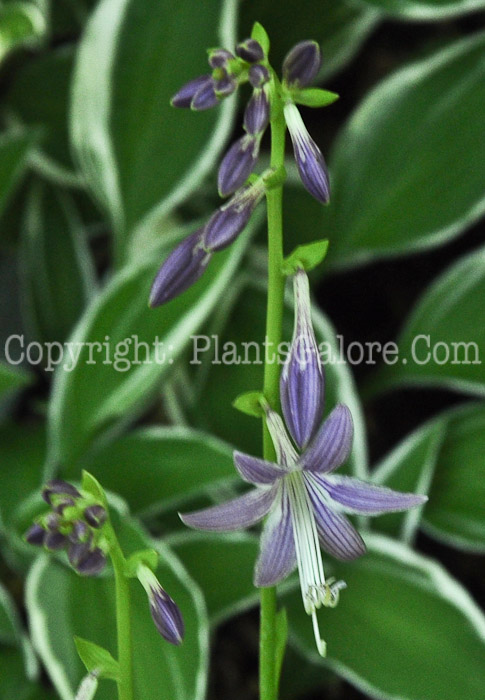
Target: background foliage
[(99, 177)]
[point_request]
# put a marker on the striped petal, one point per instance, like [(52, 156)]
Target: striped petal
[(236, 514), (335, 532), (277, 557), (332, 444), (356, 496), (257, 471)]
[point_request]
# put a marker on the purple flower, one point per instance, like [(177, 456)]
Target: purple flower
[(228, 221), (220, 58), (238, 163), (302, 63), (165, 612), (302, 384), (304, 500), (183, 267), (309, 158)]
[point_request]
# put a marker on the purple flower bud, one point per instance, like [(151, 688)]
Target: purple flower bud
[(309, 158), (302, 63), (93, 563), (256, 114), (35, 535), (77, 552), (250, 50), (95, 516), (55, 541), (228, 221), (219, 58), (52, 521), (58, 487), (302, 384), (224, 86), (238, 164), (184, 97), (258, 76), (80, 532), (205, 97), (183, 267), (165, 612)]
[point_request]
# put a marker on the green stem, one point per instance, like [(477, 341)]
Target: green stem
[(268, 681), (123, 620)]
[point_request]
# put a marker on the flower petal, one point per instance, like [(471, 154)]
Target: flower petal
[(236, 514), (357, 496), (277, 557), (257, 471), (302, 384), (336, 533), (332, 444)]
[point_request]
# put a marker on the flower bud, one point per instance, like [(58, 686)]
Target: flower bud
[(91, 564), (62, 505), (52, 521), (219, 58), (55, 541), (302, 63), (228, 221), (238, 164), (224, 86), (258, 76), (250, 50), (205, 97), (80, 532), (95, 516), (77, 552), (184, 97), (309, 159), (302, 384), (58, 487), (35, 535), (164, 611), (183, 267), (256, 114)]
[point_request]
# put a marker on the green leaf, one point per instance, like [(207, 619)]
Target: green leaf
[(58, 273), (92, 486), (142, 168), (12, 378), (410, 468), (404, 628), (391, 165), (306, 256), (21, 23), (61, 604), (10, 625), (210, 559), (427, 9), (102, 390), (339, 27), (454, 512), (250, 403), (314, 97), (233, 363), (39, 96), (22, 453), (153, 468), (442, 341), (95, 658), (14, 150)]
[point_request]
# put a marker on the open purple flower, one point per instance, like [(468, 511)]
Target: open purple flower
[(306, 503)]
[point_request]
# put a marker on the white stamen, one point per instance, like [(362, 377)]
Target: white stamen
[(296, 127), (285, 452)]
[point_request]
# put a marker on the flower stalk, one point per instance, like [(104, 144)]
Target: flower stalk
[(274, 322)]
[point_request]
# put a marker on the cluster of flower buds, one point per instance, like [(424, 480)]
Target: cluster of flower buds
[(164, 610), (248, 64), (74, 524)]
